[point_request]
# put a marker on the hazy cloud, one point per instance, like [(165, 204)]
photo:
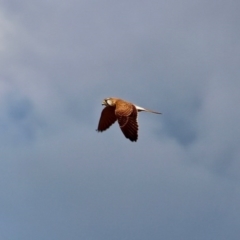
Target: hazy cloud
[(60, 179)]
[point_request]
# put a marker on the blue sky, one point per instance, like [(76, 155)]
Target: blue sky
[(60, 179)]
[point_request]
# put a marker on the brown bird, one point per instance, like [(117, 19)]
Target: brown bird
[(126, 114)]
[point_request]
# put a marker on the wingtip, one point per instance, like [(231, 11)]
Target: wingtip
[(133, 139)]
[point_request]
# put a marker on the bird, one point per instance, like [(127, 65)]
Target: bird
[(125, 113)]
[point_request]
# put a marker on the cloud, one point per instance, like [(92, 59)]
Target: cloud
[(61, 179)]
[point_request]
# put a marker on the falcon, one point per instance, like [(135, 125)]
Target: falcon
[(125, 113)]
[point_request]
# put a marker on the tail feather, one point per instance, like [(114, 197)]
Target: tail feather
[(140, 109)]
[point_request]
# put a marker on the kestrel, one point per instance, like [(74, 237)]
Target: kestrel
[(126, 115)]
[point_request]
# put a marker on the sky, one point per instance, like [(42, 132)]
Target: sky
[(60, 179)]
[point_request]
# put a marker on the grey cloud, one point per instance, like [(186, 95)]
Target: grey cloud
[(65, 181)]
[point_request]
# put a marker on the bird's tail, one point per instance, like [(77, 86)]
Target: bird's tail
[(140, 109)]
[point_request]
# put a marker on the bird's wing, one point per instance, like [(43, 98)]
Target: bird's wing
[(126, 114), (107, 118)]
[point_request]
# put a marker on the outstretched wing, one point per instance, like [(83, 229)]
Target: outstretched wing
[(126, 114), (107, 119)]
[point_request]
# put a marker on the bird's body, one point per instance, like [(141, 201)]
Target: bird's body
[(125, 113)]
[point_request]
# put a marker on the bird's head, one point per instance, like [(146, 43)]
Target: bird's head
[(109, 102)]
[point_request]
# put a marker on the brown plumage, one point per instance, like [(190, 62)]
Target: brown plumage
[(126, 115)]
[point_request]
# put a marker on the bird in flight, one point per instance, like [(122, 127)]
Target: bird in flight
[(125, 113)]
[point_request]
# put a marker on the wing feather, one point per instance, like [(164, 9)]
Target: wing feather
[(126, 114), (107, 118)]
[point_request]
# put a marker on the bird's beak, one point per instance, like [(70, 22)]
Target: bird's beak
[(103, 103)]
